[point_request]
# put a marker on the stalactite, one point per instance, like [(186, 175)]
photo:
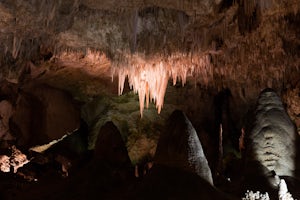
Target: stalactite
[(182, 23), (265, 4), (150, 78), (5, 49), (242, 140), (131, 28), (51, 14), (250, 6), (220, 155), (135, 28), (122, 76), (17, 42)]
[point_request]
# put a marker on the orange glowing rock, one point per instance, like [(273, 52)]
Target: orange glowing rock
[(149, 78)]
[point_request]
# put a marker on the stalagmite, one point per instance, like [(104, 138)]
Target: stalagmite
[(250, 195), (181, 148), (272, 139), (283, 192)]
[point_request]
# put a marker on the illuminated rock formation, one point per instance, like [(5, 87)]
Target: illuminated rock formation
[(108, 60), (13, 162), (272, 140), (271, 145), (180, 147), (149, 78)]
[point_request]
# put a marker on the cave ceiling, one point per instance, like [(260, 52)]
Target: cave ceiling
[(245, 44)]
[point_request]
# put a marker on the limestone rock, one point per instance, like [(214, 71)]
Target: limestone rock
[(273, 136), (6, 111), (292, 99), (270, 144), (181, 148), (44, 114)]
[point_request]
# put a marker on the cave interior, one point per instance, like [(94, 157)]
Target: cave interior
[(90, 90)]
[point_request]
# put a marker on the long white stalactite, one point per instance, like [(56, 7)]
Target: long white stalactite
[(150, 78)]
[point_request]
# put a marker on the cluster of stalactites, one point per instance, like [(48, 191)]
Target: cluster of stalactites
[(150, 78)]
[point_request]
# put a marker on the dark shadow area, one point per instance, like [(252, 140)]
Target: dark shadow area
[(172, 183)]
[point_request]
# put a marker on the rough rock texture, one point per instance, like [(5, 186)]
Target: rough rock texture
[(43, 114), (79, 46), (139, 134), (272, 142), (181, 148), (6, 111), (239, 37), (292, 100), (249, 44), (8, 91), (271, 145)]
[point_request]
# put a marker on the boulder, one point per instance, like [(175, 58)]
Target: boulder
[(43, 114)]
